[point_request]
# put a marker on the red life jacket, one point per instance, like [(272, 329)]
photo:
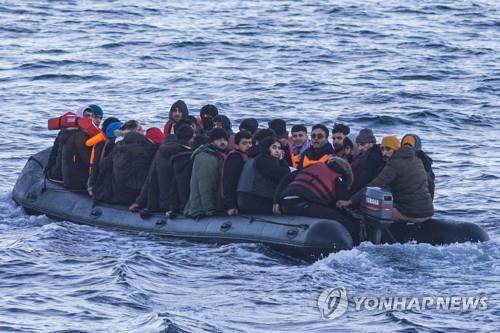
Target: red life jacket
[(169, 125), (244, 156), (320, 180)]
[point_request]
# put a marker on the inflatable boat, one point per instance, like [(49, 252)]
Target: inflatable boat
[(297, 236)]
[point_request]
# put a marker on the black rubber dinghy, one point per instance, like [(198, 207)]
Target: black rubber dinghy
[(302, 237)]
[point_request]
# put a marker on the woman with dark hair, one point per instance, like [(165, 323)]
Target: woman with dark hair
[(260, 178)]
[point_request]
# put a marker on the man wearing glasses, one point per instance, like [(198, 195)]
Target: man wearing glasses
[(320, 147)]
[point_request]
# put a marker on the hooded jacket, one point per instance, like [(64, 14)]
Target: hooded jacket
[(405, 175), (169, 125), (204, 197), (416, 142)]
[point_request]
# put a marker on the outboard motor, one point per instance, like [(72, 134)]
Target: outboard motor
[(377, 209)]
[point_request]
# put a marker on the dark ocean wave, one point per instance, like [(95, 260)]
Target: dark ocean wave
[(68, 77)]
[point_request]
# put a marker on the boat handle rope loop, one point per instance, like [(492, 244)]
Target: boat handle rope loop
[(253, 218)]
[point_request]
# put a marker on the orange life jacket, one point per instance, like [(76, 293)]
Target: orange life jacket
[(92, 142), (308, 162), (295, 160)]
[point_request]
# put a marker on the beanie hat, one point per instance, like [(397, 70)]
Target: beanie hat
[(217, 133), (108, 121), (210, 110), (365, 136), (96, 110), (412, 140), (82, 109), (279, 126), (391, 142), (111, 128), (155, 135), (184, 133), (250, 124)]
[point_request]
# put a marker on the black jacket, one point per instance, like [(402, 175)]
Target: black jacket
[(101, 150), (75, 161), (271, 167), (233, 165), (129, 163), (156, 192), (366, 167), (431, 177), (178, 193), (53, 168), (405, 175)]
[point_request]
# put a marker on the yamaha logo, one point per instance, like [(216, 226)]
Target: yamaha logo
[(332, 303)]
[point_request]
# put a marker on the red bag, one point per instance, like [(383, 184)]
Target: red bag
[(86, 125), (69, 119)]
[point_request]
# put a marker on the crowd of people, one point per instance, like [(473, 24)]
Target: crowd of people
[(197, 166)]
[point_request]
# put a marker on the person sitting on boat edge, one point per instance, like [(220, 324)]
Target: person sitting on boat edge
[(182, 165), (178, 111), (204, 196), (260, 177), (339, 133), (300, 143), (53, 170), (75, 157), (405, 175), (320, 147), (314, 191), (102, 144), (368, 162), (154, 195), (414, 141), (127, 167), (231, 170)]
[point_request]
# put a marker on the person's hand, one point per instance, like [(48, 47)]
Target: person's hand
[(134, 207), (343, 203), (276, 209), (232, 211), (90, 191)]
